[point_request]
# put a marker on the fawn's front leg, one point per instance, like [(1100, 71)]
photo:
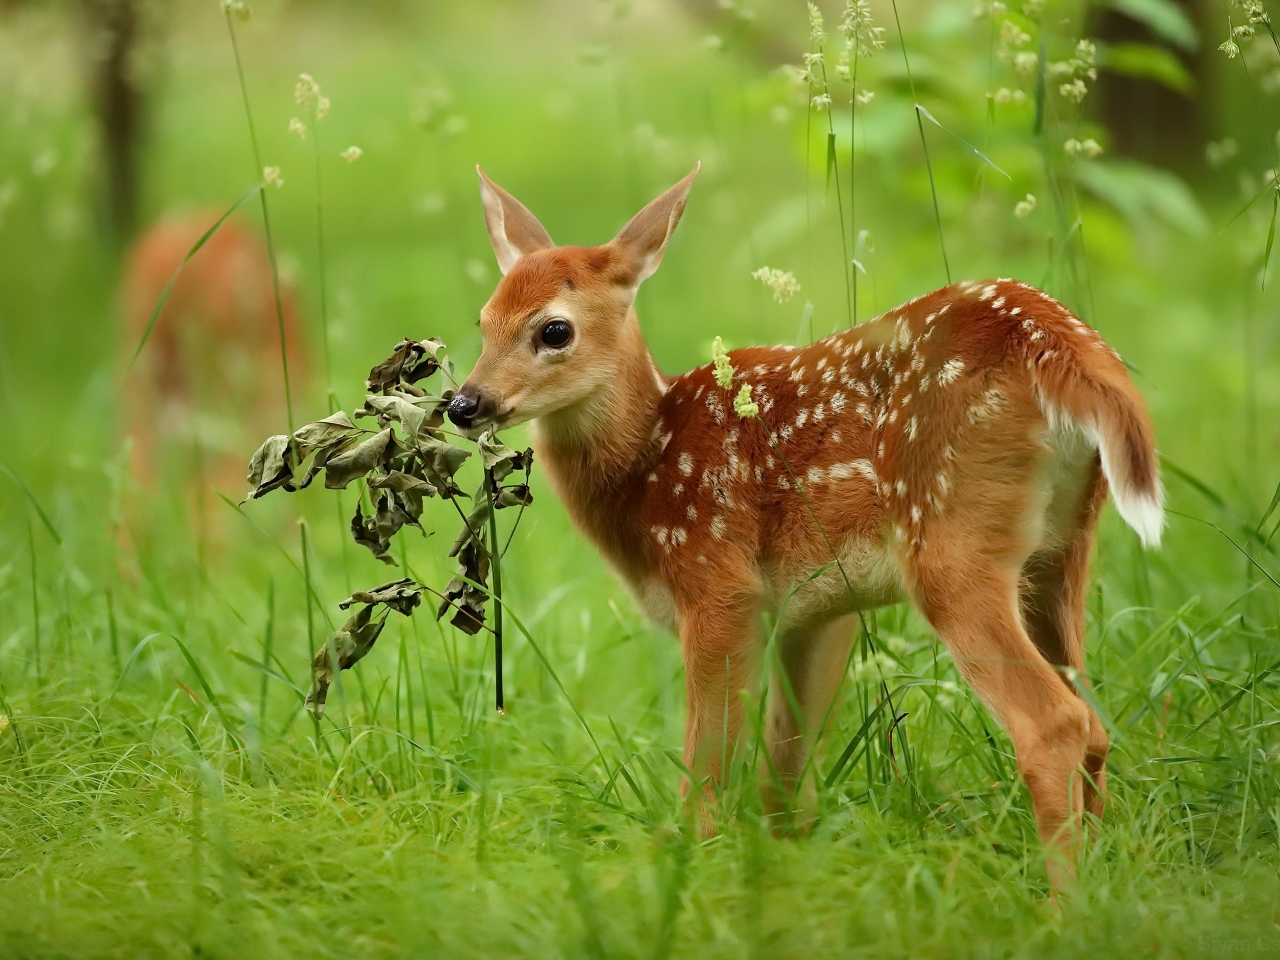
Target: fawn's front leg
[(718, 638)]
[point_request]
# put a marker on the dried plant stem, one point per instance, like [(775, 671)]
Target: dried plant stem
[(495, 557), (266, 221)]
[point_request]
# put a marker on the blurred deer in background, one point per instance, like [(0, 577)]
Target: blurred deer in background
[(955, 452), (209, 379)]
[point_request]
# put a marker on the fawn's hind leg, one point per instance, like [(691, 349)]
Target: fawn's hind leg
[(802, 689), (1053, 592), (971, 599)]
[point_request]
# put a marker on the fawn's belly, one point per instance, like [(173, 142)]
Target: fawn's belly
[(867, 576)]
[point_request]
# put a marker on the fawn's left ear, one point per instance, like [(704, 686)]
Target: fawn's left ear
[(513, 230), (644, 239)]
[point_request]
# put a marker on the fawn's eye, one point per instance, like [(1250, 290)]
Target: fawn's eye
[(555, 334)]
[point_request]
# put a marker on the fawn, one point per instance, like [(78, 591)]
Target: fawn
[(955, 451), (209, 371)]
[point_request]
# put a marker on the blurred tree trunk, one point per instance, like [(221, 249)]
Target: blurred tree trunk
[(1146, 119), (119, 103)]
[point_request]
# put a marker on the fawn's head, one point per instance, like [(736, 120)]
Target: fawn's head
[(554, 328)]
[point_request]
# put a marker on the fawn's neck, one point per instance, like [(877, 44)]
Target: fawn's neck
[(596, 451)]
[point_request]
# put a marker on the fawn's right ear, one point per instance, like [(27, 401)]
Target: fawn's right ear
[(643, 241), (513, 230)]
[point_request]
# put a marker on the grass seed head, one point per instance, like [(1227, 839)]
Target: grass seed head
[(783, 283)]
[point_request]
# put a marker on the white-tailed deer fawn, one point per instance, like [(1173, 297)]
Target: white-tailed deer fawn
[(956, 451), (211, 368)]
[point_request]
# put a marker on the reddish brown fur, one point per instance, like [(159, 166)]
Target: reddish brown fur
[(213, 355), (943, 448)]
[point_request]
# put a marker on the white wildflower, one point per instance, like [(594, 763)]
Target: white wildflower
[(236, 8), (351, 154), (1024, 207), (1255, 11), (1074, 91), (298, 128), (743, 405), (322, 108), (812, 60), (306, 91), (822, 101), (1013, 35), (1026, 63), (783, 283), (271, 177), (1230, 48), (1091, 148), (864, 96)]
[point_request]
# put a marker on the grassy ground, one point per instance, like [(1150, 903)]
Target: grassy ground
[(160, 793)]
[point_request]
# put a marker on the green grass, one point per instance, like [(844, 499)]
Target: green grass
[(158, 798)]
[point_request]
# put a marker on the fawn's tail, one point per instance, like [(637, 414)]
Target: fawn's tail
[(1079, 379)]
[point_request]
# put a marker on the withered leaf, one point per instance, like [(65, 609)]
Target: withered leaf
[(516, 495), (411, 361), (349, 643), (273, 465), (468, 600), (473, 530), (321, 433), (359, 460), (441, 461), (346, 646), (501, 459), (402, 596), (366, 532), (324, 454), (395, 408)]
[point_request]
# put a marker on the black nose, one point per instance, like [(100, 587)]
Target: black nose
[(464, 406)]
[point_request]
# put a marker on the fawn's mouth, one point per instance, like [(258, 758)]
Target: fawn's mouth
[(491, 424)]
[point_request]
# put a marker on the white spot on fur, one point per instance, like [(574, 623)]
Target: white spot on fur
[(950, 370), (717, 527), (686, 464)]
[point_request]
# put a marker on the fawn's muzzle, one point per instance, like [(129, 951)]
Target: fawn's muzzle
[(465, 406)]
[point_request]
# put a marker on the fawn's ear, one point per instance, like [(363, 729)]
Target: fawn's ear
[(643, 240), (513, 230)]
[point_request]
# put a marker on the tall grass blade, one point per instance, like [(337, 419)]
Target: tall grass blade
[(924, 144), (978, 154), (44, 517)]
